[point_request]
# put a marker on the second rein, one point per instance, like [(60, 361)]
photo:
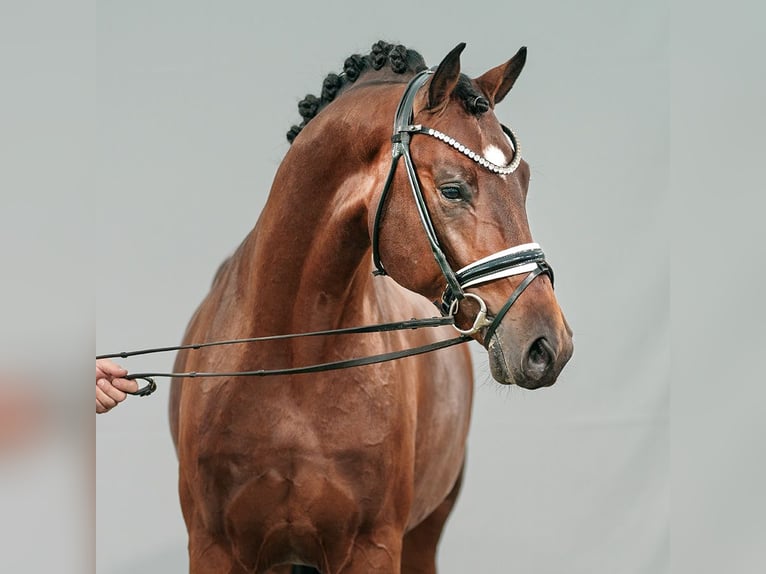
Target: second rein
[(410, 324)]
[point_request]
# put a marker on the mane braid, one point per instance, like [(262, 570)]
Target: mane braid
[(401, 60)]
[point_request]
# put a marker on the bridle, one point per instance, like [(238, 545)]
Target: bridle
[(527, 258)]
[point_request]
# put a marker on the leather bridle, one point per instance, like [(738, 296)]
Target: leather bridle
[(527, 258)]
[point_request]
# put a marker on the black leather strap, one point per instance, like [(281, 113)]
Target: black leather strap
[(333, 366), (403, 116), (401, 122), (379, 328), (151, 386), (144, 391), (425, 219), (511, 300), (379, 270), (401, 147), (403, 132), (502, 263), (493, 266)]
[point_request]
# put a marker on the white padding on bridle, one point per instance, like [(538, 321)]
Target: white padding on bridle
[(510, 272), (499, 254)]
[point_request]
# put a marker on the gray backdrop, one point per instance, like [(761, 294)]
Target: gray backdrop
[(193, 103)]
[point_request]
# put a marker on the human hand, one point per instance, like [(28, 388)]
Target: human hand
[(110, 386)]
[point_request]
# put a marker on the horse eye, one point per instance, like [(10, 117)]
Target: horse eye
[(452, 193)]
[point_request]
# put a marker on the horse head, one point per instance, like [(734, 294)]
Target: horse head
[(455, 214)]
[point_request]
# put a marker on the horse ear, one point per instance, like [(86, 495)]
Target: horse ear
[(498, 81), (445, 79)]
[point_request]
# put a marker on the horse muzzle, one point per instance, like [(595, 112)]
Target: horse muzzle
[(533, 364)]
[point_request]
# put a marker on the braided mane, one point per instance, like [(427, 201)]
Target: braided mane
[(401, 60)]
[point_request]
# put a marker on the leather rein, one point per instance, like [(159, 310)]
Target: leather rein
[(527, 258), (151, 386)]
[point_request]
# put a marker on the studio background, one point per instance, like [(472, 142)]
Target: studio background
[(194, 100)]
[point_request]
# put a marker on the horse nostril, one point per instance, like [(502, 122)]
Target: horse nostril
[(539, 358)]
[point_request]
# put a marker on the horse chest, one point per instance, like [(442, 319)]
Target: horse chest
[(297, 482), (348, 437)]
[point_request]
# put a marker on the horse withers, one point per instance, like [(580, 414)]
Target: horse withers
[(356, 471)]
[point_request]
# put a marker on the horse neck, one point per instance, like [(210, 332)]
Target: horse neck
[(309, 254)]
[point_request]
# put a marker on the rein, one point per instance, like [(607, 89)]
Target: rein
[(410, 324)]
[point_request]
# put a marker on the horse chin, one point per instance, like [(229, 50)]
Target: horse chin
[(504, 373)]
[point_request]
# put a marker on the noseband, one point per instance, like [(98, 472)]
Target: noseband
[(527, 258)]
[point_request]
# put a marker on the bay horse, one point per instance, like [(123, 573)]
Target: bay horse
[(356, 471)]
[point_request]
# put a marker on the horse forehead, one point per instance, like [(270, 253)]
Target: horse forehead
[(494, 146), (488, 140)]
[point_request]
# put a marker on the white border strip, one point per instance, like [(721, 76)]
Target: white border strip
[(509, 251), (510, 272)]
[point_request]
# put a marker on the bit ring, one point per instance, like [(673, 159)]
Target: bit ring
[(481, 320)]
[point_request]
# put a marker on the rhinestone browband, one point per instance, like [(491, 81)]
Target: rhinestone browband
[(478, 158)]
